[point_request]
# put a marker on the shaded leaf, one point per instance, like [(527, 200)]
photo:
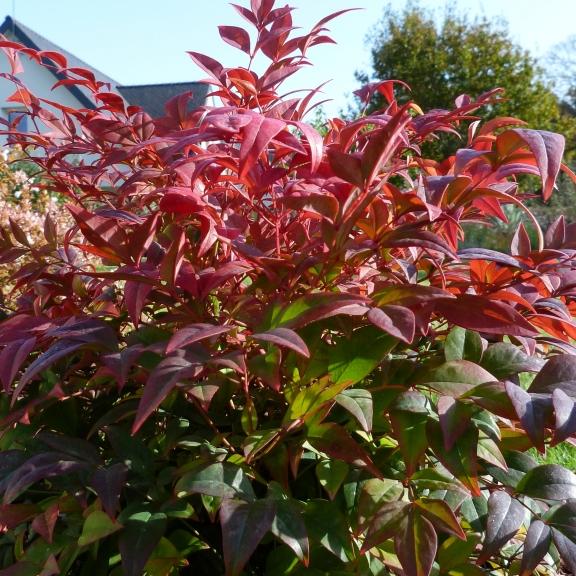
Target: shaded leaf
[(220, 479), (416, 546), (549, 482), (397, 321), (565, 410), (335, 441), (97, 525), (462, 344), (331, 474), (289, 527), (142, 532), (108, 484), (284, 337), (326, 525), (504, 359), (243, 527), (358, 402), (505, 516), (536, 546), (462, 460)]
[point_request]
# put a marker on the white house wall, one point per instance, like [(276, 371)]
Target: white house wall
[(38, 80)]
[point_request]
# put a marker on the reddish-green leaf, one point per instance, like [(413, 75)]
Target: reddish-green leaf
[(565, 410), (194, 333), (284, 337), (243, 527), (397, 321), (536, 546), (416, 546), (505, 516), (441, 515), (548, 482), (462, 460), (335, 441)]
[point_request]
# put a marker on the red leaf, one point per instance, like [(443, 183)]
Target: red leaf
[(483, 315), (521, 245), (284, 337), (194, 333), (505, 516), (135, 294), (257, 136), (161, 382), (11, 359), (209, 65), (235, 36), (59, 349), (397, 321), (548, 149)]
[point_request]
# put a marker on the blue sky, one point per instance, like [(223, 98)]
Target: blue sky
[(145, 41)]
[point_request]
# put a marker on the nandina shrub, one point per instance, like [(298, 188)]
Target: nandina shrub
[(281, 361)]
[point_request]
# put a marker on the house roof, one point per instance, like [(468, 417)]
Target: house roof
[(33, 40), (153, 97), (150, 97)]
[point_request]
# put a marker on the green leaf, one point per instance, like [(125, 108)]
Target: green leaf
[(440, 514), (354, 358), (505, 516), (309, 400), (548, 482), (462, 460), (358, 402), (335, 441), (462, 344), (326, 525), (456, 377), (385, 523), (244, 524), (331, 474), (455, 551), (373, 493), (504, 359), (410, 431), (416, 546), (97, 525), (475, 511), (289, 527), (220, 479), (142, 532), (432, 479)]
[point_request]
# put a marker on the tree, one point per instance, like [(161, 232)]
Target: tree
[(440, 60)]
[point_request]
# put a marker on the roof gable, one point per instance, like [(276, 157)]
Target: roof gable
[(150, 97), (33, 40)]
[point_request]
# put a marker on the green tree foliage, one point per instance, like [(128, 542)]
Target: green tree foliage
[(443, 58)]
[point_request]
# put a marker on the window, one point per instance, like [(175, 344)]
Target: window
[(18, 120)]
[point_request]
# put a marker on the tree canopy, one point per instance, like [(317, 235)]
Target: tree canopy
[(442, 58)]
